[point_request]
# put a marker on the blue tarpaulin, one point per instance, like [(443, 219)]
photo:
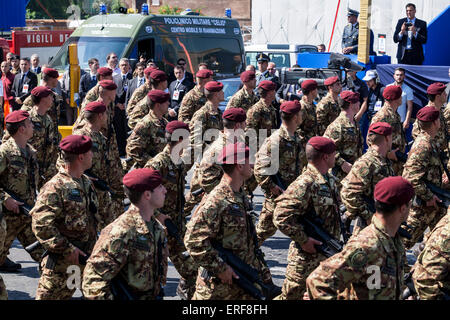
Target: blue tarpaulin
[(12, 14), (437, 48)]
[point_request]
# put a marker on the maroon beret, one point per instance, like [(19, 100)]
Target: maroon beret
[(235, 153), (350, 96), (322, 144), (76, 144), (393, 190), (104, 71), (204, 74), (392, 93), (309, 85), (158, 96), (331, 80), (382, 128), (158, 75), (41, 92), (214, 86), (142, 179), (149, 70), (267, 85), (95, 107), (175, 124), (248, 75), (51, 72), (290, 107), (235, 114), (436, 88), (108, 85), (427, 114), (17, 116)]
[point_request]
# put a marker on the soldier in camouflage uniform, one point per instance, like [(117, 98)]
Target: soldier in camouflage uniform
[(63, 219), (424, 165), (149, 136), (367, 171), (309, 127), (104, 168), (49, 80), (195, 98), (315, 189), (208, 172), (174, 180), (245, 97), (371, 265), (223, 217), (437, 99), (133, 247), (3, 292), (141, 92), (328, 109), (262, 115), (388, 113), (19, 177), (158, 81), (431, 270), (284, 155), (345, 133)]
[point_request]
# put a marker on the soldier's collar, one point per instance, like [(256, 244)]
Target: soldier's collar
[(320, 178), (139, 222), (387, 241)]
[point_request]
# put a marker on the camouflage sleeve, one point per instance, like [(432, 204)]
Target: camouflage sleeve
[(335, 133), (447, 123), (3, 165), (136, 145), (210, 174), (138, 112), (289, 205), (197, 128), (253, 119), (262, 163), (204, 226), (231, 103), (53, 152), (415, 130), (45, 213), (184, 112), (354, 187), (108, 257), (416, 168), (321, 114)]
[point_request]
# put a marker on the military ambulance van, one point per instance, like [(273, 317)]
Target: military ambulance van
[(163, 38)]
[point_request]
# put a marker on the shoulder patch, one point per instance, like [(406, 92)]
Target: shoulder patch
[(116, 245), (358, 259), (445, 246)]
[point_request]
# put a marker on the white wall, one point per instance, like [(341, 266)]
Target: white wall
[(311, 21)]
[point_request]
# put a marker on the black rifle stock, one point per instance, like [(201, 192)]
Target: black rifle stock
[(442, 194), (120, 289), (24, 208), (278, 181)]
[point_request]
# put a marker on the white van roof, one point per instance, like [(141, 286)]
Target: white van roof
[(277, 47)]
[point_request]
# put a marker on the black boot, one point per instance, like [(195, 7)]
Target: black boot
[(9, 266)]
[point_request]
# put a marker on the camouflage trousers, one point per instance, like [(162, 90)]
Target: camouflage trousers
[(300, 265), (109, 209), (19, 226), (54, 284), (265, 227), (421, 217), (3, 292), (397, 166)]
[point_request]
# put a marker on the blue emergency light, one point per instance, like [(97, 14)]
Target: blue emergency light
[(228, 12), (144, 9), (102, 8)]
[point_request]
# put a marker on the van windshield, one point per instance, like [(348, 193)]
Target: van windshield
[(281, 59), (89, 47)]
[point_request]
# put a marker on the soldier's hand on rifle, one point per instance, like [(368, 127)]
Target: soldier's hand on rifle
[(346, 167), (306, 296), (228, 275), (74, 256), (276, 191), (444, 178), (13, 205), (162, 217), (391, 155), (433, 202), (309, 245)]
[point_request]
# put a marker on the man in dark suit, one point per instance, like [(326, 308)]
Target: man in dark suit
[(35, 67), (24, 82), (410, 34), (120, 120), (136, 82), (88, 80), (178, 89), (289, 92), (182, 62)]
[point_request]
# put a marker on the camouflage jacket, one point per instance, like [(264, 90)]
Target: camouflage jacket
[(19, 172), (423, 164), (139, 111), (446, 124), (310, 191), (370, 257), (360, 182), (289, 158), (441, 138), (347, 137), (138, 94), (147, 140), (309, 127), (242, 99), (204, 119), (222, 216), (192, 101), (327, 111), (261, 117), (132, 249), (387, 114), (174, 180), (431, 271), (64, 212)]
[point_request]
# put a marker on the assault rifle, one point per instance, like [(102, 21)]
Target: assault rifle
[(442, 194), (24, 208), (99, 183)]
